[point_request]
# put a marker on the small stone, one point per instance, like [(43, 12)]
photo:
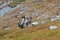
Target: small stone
[(53, 27), (35, 23), (52, 19), (8, 28), (57, 17), (43, 22), (35, 14)]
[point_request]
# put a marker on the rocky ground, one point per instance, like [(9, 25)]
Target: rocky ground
[(45, 12)]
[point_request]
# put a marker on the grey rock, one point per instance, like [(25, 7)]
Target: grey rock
[(52, 19), (8, 28), (43, 22), (53, 27), (35, 23), (57, 17), (5, 10)]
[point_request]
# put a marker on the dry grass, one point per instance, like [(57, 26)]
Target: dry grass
[(40, 32)]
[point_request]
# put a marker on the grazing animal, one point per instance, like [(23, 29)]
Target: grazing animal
[(28, 21), (20, 25)]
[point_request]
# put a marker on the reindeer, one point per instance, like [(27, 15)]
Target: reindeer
[(19, 23), (26, 21)]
